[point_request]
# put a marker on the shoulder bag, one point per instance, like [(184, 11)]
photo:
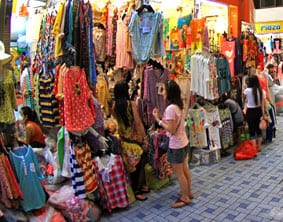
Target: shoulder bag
[(164, 144)]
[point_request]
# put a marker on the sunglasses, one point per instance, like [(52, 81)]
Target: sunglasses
[(78, 89)]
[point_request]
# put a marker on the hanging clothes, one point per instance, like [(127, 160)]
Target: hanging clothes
[(204, 79), (84, 41), (102, 93), (84, 160), (228, 49), (7, 99), (111, 31), (77, 175), (197, 122), (58, 29), (58, 91), (99, 41), (226, 131), (78, 105), (146, 31), (49, 111), (9, 187), (154, 84), (197, 30), (44, 57), (184, 82), (113, 181), (29, 175), (223, 75), (213, 119), (27, 88), (124, 58)]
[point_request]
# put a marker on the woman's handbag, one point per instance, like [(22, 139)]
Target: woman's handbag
[(164, 144), (263, 123)]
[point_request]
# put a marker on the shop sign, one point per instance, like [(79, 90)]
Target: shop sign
[(269, 27)]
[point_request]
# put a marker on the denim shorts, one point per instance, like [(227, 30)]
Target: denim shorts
[(177, 155)]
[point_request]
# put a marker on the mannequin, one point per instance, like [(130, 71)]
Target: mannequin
[(7, 93)]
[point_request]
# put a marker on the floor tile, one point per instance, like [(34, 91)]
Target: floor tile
[(229, 190)]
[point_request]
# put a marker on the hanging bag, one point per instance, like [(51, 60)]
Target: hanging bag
[(263, 123)]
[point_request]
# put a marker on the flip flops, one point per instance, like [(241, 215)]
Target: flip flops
[(180, 203)]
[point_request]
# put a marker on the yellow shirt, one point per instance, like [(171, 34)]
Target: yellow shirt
[(57, 28), (9, 104)]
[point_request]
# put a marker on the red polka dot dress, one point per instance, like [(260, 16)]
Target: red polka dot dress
[(78, 111)]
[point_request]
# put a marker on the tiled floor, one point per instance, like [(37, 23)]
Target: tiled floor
[(249, 190)]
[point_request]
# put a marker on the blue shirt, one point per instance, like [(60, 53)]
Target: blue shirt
[(28, 173), (146, 31)]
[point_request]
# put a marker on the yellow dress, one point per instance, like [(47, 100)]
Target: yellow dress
[(8, 103)]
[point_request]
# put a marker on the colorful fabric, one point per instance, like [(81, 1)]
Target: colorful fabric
[(83, 157), (9, 187), (131, 154), (197, 122), (113, 181), (77, 175)]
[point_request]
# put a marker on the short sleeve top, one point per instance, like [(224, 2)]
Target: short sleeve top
[(179, 139)]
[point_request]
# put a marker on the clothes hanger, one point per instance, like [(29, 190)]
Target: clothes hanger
[(155, 64), (145, 6)]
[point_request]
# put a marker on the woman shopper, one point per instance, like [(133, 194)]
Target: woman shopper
[(133, 138), (173, 122), (33, 133), (254, 108)]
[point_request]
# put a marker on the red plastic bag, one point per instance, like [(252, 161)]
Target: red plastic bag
[(246, 150)]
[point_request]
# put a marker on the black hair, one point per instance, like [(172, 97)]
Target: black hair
[(31, 114), (269, 66), (121, 95), (253, 82), (173, 92)]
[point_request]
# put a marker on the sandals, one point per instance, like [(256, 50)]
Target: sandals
[(180, 203), (139, 196)]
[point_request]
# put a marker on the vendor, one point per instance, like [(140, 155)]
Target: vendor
[(34, 135)]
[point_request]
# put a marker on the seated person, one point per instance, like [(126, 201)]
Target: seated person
[(34, 135)]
